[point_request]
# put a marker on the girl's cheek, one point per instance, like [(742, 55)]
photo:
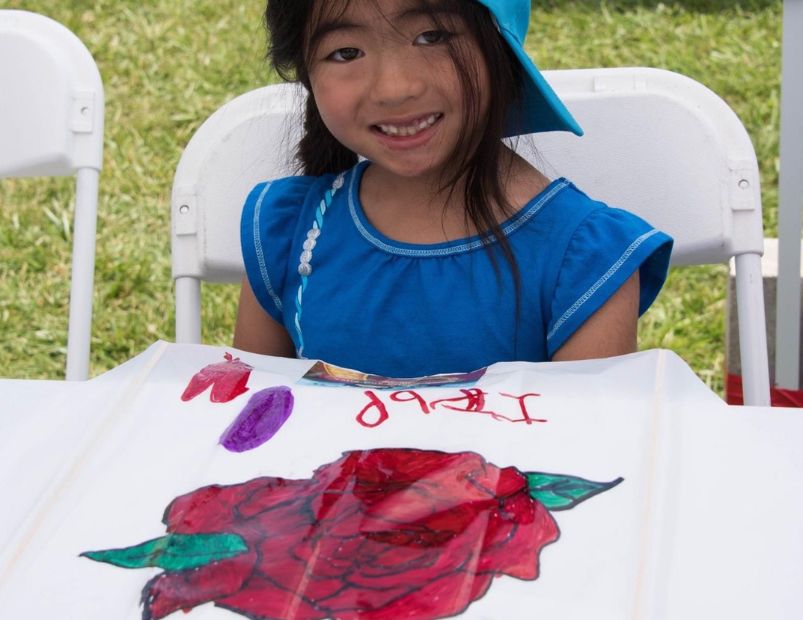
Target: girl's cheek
[(329, 71)]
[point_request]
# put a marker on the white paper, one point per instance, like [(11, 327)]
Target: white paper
[(705, 523)]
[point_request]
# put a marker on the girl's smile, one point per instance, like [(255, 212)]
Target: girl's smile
[(408, 128), (401, 135)]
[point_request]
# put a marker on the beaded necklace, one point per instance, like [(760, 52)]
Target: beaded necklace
[(305, 260)]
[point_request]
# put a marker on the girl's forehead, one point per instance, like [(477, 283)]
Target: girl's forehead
[(361, 11)]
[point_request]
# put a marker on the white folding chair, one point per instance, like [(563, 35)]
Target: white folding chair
[(51, 124), (657, 143)]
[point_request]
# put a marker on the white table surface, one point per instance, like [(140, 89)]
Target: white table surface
[(718, 491)]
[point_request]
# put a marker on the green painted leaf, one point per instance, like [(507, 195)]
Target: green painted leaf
[(559, 492), (174, 552)]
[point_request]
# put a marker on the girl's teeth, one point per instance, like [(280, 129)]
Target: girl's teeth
[(409, 130)]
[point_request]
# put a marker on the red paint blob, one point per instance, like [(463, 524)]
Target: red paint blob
[(227, 379)]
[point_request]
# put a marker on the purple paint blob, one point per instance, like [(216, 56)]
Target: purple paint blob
[(263, 416)]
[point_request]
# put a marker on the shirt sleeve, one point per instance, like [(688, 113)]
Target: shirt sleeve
[(606, 248), (268, 223)]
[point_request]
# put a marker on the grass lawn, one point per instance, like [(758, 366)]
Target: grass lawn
[(168, 64)]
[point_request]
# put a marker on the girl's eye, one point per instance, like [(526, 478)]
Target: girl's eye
[(432, 37), (345, 54)]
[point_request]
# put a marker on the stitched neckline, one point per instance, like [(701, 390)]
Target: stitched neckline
[(444, 248)]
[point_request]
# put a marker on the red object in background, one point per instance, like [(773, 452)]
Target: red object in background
[(779, 397)]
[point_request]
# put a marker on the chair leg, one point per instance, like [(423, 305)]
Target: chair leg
[(83, 274), (188, 310), (752, 330)]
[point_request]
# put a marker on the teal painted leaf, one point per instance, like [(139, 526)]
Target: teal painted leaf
[(559, 492), (174, 552)]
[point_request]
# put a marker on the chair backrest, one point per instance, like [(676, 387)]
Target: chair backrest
[(657, 144), (51, 98)]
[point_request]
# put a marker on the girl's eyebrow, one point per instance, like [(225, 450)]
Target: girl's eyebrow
[(416, 12), (334, 25)]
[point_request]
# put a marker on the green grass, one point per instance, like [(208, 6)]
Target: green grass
[(168, 64)]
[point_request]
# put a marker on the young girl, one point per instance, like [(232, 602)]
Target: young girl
[(417, 242)]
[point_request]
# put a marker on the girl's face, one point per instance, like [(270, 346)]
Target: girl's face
[(386, 85)]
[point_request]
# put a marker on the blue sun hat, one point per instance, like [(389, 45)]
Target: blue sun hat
[(541, 109)]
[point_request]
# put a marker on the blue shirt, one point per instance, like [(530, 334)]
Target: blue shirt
[(404, 310)]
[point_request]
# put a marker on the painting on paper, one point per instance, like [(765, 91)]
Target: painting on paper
[(378, 534)]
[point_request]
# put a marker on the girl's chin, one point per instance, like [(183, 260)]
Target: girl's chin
[(410, 171)]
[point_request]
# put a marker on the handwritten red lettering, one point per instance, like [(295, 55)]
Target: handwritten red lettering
[(523, 406), (474, 399), (381, 411), (471, 400), (410, 396)]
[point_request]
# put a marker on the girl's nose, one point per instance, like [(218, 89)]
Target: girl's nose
[(396, 79)]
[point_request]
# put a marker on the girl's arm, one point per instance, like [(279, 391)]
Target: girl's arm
[(610, 331), (256, 331)]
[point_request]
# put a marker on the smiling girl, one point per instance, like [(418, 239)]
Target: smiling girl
[(417, 242)]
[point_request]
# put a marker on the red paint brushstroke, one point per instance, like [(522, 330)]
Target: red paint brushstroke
[(403, 396), (228, 380), (471, 401), (381, 414), (525, 415)]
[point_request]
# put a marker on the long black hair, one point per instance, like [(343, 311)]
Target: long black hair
[(479, 153)]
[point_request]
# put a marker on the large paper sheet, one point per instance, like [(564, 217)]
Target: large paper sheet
[(607, 489)]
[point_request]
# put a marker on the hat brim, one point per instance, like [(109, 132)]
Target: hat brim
[(540, 109)]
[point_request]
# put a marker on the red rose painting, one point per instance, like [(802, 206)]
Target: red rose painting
[(377, 535)]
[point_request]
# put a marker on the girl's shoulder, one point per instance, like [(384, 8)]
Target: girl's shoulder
[(284, 197), (596, 248), (273, 216), (585, 222), (275, 208)]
